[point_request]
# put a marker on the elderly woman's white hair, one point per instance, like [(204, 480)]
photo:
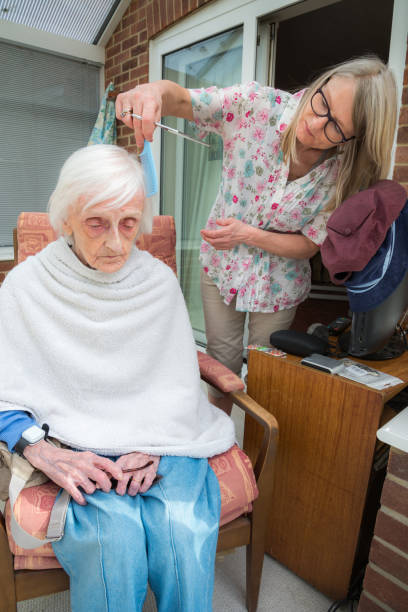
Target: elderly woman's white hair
[(96, 174)]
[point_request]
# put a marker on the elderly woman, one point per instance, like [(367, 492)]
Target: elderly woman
[(96, 344)]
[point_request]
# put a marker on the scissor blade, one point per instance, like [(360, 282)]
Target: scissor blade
[(174, 131)]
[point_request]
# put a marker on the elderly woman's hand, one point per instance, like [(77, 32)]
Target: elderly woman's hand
[(231, 232), (71, 470), (141, 479)]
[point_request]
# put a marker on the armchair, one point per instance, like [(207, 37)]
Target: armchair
[(32, 234)]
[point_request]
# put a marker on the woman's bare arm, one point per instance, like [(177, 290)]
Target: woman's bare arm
[(232, 232)]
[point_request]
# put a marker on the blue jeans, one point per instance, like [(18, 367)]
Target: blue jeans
[(115, 545)]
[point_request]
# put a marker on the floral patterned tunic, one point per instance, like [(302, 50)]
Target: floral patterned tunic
[(254, 189)]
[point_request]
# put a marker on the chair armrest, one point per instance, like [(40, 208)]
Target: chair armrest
[(218, 375), (221, 377), (263, 467)]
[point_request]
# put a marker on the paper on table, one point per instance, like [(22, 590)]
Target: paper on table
[(367, 376)]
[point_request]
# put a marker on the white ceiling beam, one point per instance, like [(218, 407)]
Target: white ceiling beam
[(16, 34)]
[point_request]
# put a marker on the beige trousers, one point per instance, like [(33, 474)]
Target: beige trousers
[(225, 326)]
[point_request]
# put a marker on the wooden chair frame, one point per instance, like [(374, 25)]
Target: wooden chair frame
[(248, 530)]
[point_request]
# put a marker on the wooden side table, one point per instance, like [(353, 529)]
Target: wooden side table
[(327, 438)]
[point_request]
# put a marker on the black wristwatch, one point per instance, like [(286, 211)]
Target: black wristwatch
[(29, 437)]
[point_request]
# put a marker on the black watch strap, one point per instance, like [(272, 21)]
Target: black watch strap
[(20, 446)]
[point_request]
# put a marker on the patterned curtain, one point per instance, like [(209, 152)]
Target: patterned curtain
[(104, 131)]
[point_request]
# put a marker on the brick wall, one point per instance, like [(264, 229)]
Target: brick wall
[(127, 54), (386, 579), (401, 156)]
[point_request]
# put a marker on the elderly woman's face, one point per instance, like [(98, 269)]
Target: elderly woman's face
[(103, 237), (339, 93)]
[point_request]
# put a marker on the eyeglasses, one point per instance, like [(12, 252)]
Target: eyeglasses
[(332, 130)]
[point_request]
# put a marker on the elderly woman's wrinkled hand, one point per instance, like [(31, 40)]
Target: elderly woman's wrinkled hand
[(231, 232), (142, 478), (71, 470), (144, 100)]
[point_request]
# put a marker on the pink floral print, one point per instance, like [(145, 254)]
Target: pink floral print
[(255, 189)]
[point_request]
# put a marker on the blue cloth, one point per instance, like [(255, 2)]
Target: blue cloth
[(168, 536), (104, 131), (373, 284), (12, 425), (147, 161)]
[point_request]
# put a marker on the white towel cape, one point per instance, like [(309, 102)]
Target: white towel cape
[(108, 361)]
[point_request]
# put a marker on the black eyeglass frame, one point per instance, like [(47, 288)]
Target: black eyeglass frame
[(329, 118)]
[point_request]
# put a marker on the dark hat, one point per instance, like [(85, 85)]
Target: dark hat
[(371, 286), (358, 227)]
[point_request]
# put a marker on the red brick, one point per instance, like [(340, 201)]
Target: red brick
[(132, 63), (139, 72), (123, 141), (401, 154), (142, 23), (392, 531), (109, 63), (142, 35), (114, 50), (156, 19), (122, 35), (130, 42), (385, 590), (395, 496), (367, 605), (178, 9), (122, 78), (129, 20), (401, 174), (185, 7), (134, 7), (163, 13), (110, 73), (404, 99), (122, 57), (138, 49), (149, 19), (403, 118), (143, 59), (170, 11), (406, 76), (132, 149), (389, 561), (402, 137)]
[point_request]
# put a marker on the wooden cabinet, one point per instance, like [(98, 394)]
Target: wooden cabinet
[(327, 438)]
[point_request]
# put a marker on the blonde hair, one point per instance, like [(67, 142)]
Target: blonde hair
[(95, 174), (366, 159)]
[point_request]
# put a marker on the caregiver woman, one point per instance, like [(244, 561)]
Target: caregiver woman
[(96, 342), (288, 160)]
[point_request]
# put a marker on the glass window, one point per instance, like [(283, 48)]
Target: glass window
[(190, 173)]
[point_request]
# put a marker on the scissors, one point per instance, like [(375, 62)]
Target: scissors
[(168, 129)]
